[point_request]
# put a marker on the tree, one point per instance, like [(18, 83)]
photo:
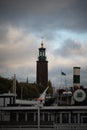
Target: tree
[(50, 89)]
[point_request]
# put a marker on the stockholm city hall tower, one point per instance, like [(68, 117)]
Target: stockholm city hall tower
[(42, 68)]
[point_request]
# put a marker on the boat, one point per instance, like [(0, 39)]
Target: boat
[(59, 117), (66, 110)]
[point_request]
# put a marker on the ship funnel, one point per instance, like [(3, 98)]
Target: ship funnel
[(76, 77)]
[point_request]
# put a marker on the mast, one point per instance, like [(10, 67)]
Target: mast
[(14, 85)]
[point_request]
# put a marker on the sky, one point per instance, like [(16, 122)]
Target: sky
[(60, 24)]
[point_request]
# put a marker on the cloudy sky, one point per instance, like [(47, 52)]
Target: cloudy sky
[(61, 24)]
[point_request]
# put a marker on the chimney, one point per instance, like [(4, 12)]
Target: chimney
[(76, 77)]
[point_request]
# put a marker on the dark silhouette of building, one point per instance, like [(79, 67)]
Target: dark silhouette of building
[(42, 68)]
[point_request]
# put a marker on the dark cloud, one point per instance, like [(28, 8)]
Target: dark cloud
[(72, 48), (48, 14)]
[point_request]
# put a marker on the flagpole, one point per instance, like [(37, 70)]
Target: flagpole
[(63, 74), (65, 82), (61, 77)]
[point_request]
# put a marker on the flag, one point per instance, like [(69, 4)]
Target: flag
[(62, 73)]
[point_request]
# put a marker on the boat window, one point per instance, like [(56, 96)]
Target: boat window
[(6, 116), (65, 118), (74, 118), (83, 118), (13, 116), (30, 117), (21, 116)]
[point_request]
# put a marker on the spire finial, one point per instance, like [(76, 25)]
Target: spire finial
[(42, 44)]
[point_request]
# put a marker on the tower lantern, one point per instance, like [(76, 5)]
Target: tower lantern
[(42, 67), (42, 56)]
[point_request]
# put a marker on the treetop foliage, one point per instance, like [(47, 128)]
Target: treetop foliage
[(24, 90)]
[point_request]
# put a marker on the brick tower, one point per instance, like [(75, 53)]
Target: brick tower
[(42, 67)]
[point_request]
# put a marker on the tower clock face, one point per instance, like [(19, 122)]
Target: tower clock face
[(79, 95)]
